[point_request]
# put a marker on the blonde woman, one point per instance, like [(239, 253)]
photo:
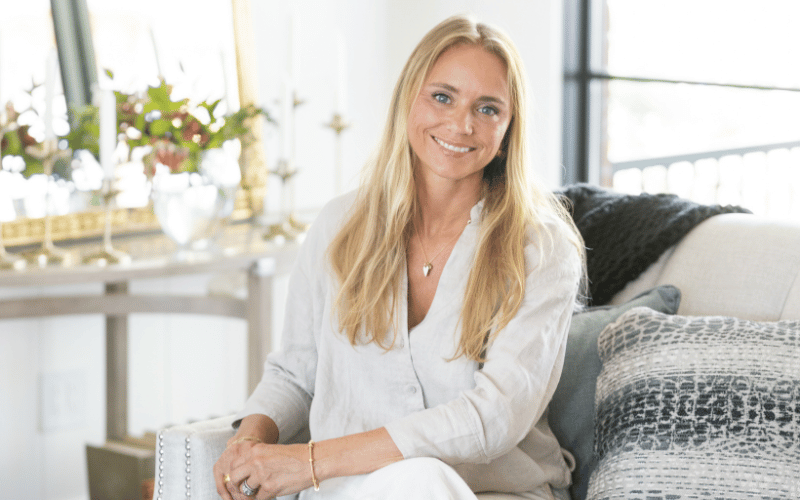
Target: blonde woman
[(428, 312)]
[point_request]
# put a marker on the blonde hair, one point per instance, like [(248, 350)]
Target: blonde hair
[(368, 255)]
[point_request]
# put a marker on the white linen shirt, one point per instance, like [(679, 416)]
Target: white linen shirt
[(489, 422)]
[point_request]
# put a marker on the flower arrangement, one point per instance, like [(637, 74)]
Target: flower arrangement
[(16, 140), (175, 131)]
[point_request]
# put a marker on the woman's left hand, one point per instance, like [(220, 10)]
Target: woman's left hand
[(272, 470)]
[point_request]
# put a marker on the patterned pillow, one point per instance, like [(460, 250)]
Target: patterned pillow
[(697, 407)]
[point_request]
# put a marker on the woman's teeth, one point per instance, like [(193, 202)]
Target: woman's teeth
[(450, 146)]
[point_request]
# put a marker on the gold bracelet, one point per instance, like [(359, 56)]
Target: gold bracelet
[(311, 463), (246, 438)]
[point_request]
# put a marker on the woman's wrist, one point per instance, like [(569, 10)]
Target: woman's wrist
[(256, 428)]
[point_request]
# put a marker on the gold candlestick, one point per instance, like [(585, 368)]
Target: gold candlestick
[(287, 226), (48, 153), (338, 125), (107, 255)]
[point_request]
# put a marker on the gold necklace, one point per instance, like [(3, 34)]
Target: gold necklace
[(426, 268)]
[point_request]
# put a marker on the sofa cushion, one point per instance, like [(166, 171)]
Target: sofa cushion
[(697, 407), (571, 412)]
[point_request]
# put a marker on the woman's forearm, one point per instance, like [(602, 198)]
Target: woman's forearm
[(355, 454), (258, 426)]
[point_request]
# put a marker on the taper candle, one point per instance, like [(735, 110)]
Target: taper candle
[(341, 81), (108, 131), (286, 118), (155, 52), (49, 94)]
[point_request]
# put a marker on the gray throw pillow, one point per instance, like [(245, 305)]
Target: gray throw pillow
[(571, 412), (697, 407)]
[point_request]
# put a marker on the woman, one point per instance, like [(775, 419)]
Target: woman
[(427, 314)]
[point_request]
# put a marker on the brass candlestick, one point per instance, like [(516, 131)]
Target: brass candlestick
[(287, 227), (338, 125), (48, 153), (107, 254)]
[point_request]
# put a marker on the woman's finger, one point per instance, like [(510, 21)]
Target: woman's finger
[(222, 479)]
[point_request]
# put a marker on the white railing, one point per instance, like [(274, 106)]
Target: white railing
[(764, 179)]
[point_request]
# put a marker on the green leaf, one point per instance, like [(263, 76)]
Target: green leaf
[(160, 127)]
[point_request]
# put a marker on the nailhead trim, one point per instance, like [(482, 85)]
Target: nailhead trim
[(160, 464), (188, 467)]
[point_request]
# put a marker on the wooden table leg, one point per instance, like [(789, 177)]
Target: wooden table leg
[(116, 369)]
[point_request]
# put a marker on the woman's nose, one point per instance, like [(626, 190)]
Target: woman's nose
[(461, 121)]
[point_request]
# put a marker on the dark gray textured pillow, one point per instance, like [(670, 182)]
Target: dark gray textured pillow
[(697, 407), (571, 414)]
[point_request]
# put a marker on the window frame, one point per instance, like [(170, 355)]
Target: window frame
[(585, 95)]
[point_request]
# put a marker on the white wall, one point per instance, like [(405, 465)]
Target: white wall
[(167, 387), (380, 36)]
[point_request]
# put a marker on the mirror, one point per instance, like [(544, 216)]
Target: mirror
[(193, 45)]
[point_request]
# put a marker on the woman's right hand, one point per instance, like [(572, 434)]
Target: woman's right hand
[(253, 429), (226, 489)]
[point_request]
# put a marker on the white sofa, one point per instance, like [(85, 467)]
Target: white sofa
[(736, 265)]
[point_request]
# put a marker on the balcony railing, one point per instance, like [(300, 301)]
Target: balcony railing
[(764, 179)]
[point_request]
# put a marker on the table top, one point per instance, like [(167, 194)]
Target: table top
[(239, 247)]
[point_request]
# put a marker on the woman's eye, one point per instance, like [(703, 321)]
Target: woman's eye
[(442, 98), (488, 110)]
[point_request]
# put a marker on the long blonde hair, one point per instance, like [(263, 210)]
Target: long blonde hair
[(368, 255)]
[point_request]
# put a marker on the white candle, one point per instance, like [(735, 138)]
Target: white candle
[(49, 95), (155, 52), (108, 132), (293, 49), (225, 87), (286, 118), (341, 81)]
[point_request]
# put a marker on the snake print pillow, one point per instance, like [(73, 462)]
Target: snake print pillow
[(696, 408)]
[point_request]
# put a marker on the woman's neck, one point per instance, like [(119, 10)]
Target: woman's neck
[(445, 207)]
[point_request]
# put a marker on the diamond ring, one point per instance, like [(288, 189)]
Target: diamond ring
[(247, 490)]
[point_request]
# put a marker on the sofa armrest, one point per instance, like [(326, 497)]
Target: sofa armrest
[(185, 457)]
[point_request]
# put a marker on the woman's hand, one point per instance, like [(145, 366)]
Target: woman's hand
[(226, 488), (253, 429), (271, 470)]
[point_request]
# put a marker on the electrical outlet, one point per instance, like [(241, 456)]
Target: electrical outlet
[(62, 400)]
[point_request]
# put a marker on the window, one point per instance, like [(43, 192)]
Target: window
[(697, 98)]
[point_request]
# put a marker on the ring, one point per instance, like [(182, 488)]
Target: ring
[(226, 478), (247, 490)]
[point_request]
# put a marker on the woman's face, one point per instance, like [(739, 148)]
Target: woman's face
[(459, 118)]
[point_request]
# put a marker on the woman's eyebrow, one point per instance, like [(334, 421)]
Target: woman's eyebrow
[(485, 98)]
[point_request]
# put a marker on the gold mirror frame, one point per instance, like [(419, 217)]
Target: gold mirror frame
[(249, 198)]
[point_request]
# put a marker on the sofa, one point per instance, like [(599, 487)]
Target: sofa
[(653, 402)]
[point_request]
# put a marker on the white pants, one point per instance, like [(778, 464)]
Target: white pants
[(414, 479)]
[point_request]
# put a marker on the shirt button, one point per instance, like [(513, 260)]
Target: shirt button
[(412, 389)]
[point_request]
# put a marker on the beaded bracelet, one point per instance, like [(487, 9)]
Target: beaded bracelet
[(311, 463)]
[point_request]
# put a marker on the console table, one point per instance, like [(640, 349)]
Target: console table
[(240, 249)]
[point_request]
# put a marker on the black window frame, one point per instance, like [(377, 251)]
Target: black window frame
[(584, 102)]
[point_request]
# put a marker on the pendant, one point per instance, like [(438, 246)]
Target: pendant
[(426, 269)]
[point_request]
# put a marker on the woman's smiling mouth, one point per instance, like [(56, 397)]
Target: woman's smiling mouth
[(455, 149)]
